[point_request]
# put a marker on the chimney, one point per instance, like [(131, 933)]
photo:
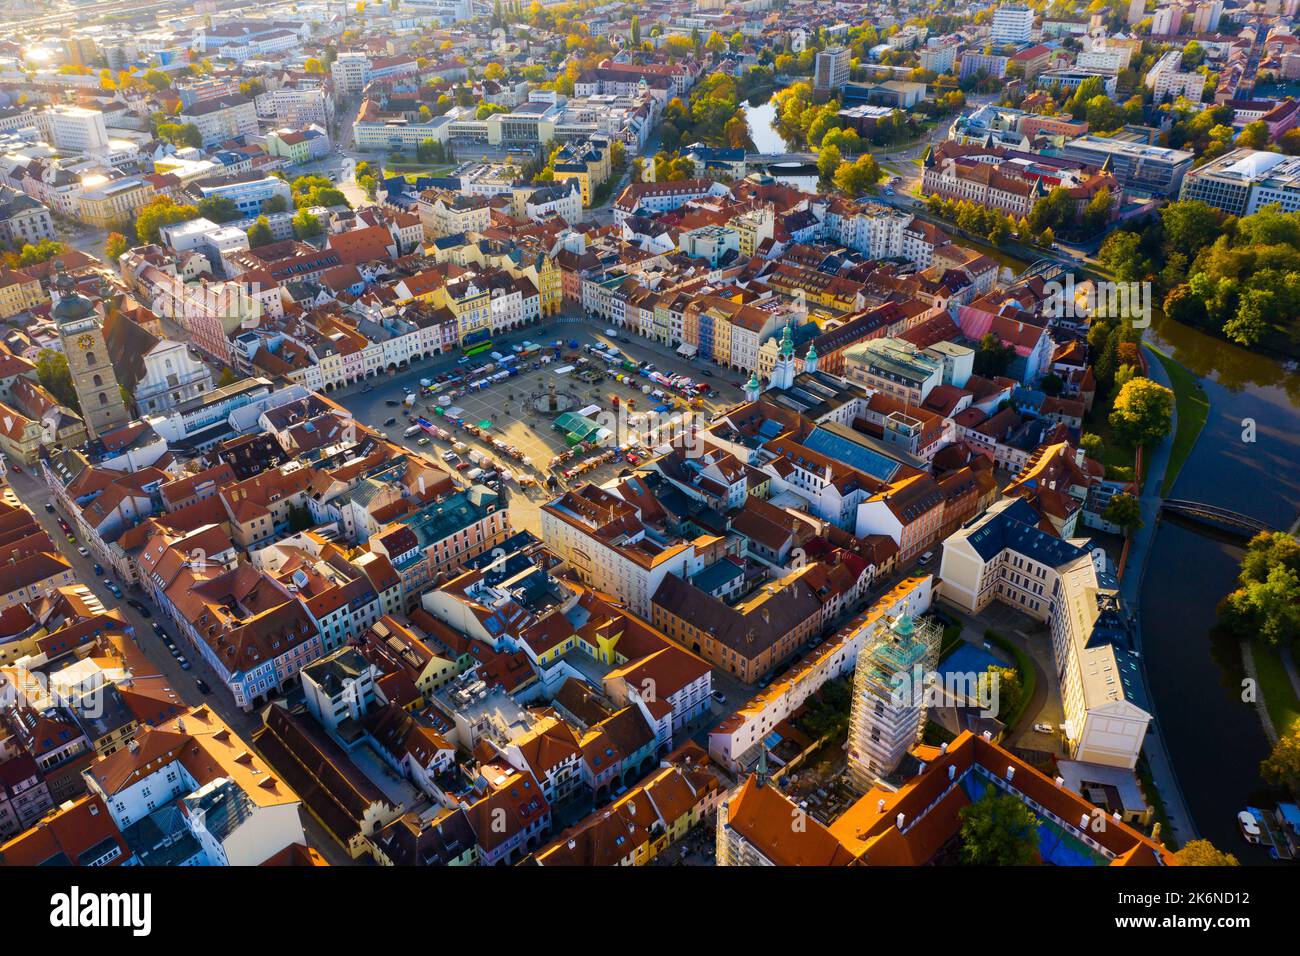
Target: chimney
[(898, 820), (880, 806), (1011, 772)]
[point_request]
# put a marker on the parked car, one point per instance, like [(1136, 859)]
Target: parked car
[(926, 558), (141, 607), (83, 552), (117, 591), (391, 402), (1043, 728), (49, 506), (389, 421), (157, 628), (202, 685), (719, 698), (99, 569), (180, 659), (1249, 826)]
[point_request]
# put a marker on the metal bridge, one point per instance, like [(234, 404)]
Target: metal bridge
[(1212, 514), (1047, 269)]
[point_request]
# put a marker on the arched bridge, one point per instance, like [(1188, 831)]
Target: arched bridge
[(1212, 514)]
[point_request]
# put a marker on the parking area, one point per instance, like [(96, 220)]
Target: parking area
[(518, 412)]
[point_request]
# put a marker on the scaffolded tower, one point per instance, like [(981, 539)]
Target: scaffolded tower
[(889, 698)]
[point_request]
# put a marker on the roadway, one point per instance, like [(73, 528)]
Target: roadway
[(32, 492)]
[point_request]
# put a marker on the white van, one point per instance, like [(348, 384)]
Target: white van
[(413, 430)]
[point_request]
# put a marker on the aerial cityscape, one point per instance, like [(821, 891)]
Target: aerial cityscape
[(649, 433)]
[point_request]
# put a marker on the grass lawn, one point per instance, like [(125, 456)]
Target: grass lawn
[(1193, 407), (1275, 686), (1118, 459)]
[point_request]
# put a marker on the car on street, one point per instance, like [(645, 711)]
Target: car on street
[(180, 659), (49, 506), (117, 591), (99, 569), (1043, 728), (925, 558), (157, 628), (389, 421), (141, 607), (202, 685), (422, 442), (83, 552), (391, 402), (719, 698)]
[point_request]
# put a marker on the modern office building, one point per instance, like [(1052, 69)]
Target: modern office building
[(1012, 25), (832, 68), (1243, 181), (1138, 166)]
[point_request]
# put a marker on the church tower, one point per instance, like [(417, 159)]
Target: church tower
[(783, 374), (753, 388), (810, 359), (82, 335)]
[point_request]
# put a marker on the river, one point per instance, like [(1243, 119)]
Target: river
[(1214, 740), (762, 129)]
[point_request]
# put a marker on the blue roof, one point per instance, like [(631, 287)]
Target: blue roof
[(864, 459), (716, 575), (1016, 527)]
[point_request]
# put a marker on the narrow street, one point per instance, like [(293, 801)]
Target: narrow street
[(32, 492)]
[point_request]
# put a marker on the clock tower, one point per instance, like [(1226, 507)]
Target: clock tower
[(82, 335)]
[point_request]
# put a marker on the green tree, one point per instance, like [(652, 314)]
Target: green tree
[(1143, 412), (115, 245), (1092, 445), (855, 178), (1011, 689), (992, 358), (636, 32), (1254, 136), (1124, 511), (305, 225), (259, 234), (43, 251), (1120, 253), (275, 204), (1190, 225), (157, 79), (181, 134), (828, 161), (1097, 213), (163, 211), (52, 372), (1203, 853), (219, 209), (998, 830), (1282, 765)]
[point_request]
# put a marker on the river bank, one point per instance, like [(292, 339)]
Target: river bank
[(1242, 460)]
